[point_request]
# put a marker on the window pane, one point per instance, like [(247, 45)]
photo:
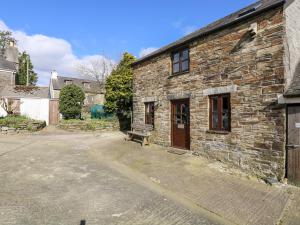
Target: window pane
[(215, 120), (178, 119), (225, 113), (215, 104), (225, 120), (185, 55), (176, 57), (152, 107), (225, 102), (185, 113), (215, 114), (185, 65), (149, 113), (176, 68)]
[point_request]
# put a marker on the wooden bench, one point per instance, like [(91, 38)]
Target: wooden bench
[(143, 131)]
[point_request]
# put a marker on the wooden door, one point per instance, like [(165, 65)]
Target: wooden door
[(293, 144), (181, 124), (53, 112)]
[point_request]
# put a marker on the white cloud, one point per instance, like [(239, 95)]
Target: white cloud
[(147, 51), (189, 29), (185, 29), (48, 53), (3, 26)]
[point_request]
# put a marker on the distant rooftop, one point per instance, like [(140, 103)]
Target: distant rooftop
[(7, 65), (93, 87), (24, 92)]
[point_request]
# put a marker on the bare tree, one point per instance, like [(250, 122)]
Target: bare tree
[(96, 68), (8, 105), (5, 39)]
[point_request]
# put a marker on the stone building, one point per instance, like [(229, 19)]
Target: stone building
[(224, 90), (94, 92), (9, 65)]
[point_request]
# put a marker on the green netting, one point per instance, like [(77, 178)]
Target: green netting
[(98, 112)]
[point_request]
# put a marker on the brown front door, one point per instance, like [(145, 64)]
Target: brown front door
[(293, 144), (53, 112), (181, 124)]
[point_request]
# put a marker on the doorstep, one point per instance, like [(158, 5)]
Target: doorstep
[(177, 151)]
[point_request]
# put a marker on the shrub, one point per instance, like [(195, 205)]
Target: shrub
[(119, 87), (21, 122), (71, 101), (119, 91), (13, 121)]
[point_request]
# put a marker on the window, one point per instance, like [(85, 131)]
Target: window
[(249, 11), (67, 82), (181, 61), (86, 85), (220, 112), (149, 113)]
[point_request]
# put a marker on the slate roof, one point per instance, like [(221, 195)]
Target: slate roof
[(59, 83), (7, 65), (261, 6), (25, 92)]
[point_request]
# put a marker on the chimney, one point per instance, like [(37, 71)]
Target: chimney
[(54, 74), (11, 53)]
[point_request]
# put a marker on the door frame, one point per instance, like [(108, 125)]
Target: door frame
[(50, 112), (287, 136), (189, 126)]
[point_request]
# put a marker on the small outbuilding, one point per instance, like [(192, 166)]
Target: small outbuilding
[(33, 102)]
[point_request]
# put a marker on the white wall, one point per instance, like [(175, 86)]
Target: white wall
[(292, 40), (37, 109), (2, 112)]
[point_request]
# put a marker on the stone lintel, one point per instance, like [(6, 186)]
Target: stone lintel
[(179, 96), (220, 90), (149, 99), (282, 100)]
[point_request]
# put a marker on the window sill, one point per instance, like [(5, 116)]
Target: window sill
[(178, 74), (218, 132)]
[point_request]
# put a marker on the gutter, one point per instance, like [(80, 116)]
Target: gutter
[(238, 20)]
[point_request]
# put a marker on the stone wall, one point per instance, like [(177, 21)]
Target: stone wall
[(6, 78), (30, 126), (90, 125), (93, 99), (254, 75)]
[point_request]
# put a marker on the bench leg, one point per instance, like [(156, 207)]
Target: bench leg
[(129, 137), (145, 141)]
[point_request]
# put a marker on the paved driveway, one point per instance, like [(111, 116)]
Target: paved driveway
[(53, 179)]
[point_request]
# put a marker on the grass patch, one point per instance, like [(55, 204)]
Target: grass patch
[(21, 122)]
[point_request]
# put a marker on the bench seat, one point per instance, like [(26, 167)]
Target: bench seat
[(140, 130), (138, 134)]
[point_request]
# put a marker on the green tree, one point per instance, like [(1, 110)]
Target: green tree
[(119, 87), (21, 76), (5, 39), (119, 90), (71, 99)]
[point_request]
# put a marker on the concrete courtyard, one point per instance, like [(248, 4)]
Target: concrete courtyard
[(55, 177)]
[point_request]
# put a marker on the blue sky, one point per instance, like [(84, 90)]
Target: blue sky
[(109, 28)]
